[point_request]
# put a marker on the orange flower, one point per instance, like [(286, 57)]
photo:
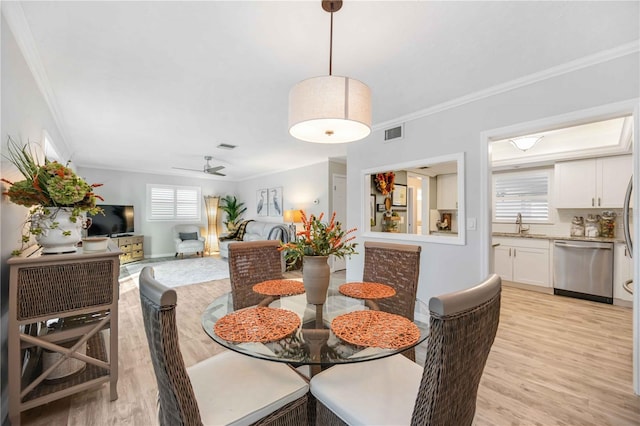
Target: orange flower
[(320, 239)]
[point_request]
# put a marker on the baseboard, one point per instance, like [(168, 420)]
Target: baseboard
[(536, 288)]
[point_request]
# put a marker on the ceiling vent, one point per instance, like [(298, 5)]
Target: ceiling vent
[(227, 146), (394, 133)]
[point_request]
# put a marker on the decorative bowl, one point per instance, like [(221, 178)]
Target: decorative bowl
[(95, 243)]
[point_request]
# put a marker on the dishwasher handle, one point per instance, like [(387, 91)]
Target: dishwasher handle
[(601, 246)]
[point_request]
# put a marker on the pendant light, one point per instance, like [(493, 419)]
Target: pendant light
[(330, 109)]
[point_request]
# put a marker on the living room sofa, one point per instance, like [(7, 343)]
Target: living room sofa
[(255, 231)]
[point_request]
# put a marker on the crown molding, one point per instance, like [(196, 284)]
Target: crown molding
[(14, 15), (567, 67)]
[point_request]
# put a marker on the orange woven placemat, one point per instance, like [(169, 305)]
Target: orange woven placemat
[(257, 325), (279, 287), (375, 328), (367, 290)]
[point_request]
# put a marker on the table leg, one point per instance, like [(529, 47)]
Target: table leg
[(319, 321)]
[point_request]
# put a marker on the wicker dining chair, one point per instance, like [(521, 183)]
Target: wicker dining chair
[(251, 262), (397, 391), (397, 265), (228, 388)]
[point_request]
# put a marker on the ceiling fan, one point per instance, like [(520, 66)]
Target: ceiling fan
[(207, 168)]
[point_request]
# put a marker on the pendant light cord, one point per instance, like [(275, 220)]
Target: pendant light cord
[(331, 45)]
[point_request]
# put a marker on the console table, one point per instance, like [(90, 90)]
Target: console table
[(132, 247), (79, 290)]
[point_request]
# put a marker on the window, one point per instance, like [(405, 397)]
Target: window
[(526, 193), (168, 202)]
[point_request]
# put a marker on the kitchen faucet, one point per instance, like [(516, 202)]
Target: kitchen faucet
[(520, 229)]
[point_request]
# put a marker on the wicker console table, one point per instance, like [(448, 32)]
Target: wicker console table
[(79, 290)]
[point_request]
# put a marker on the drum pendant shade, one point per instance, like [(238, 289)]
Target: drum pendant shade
[(330, 109)]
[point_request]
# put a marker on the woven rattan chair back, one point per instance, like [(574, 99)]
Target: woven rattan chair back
[(177, 401), (463, 328), (397, 265), (251, 262)]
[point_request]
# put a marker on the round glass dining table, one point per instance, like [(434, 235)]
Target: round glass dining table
[(313, 342)]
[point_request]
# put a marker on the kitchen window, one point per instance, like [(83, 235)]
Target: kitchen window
[(524, 192), (169, 202)]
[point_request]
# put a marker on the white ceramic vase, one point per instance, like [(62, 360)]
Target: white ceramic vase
[(58, 233), (315, 277)]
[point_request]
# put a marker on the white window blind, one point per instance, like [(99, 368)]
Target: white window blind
[(526, 193), (167, 202)]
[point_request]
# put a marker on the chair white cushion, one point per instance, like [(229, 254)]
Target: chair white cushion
[(380, 392), (235, 389), (190, 245)]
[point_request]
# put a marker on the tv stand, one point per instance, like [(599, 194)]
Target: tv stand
[(132, 247)]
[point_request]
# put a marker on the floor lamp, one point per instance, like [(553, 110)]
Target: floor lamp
[(211, 203)]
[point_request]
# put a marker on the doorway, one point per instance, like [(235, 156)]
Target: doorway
[(339, 199), (628, 108)]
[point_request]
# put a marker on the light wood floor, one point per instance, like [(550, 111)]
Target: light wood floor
[(555, 361)]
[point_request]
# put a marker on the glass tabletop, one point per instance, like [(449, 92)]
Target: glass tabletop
[(312, 342)]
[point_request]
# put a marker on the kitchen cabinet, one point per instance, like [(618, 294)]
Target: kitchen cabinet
[(592, 183), (622, 271), (522, 260), (447, 191)]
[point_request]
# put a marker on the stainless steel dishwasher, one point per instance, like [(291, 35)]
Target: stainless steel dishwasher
[(583, 269)]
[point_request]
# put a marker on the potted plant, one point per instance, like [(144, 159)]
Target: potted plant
[(58, 200), (317, 241), (234, 210)]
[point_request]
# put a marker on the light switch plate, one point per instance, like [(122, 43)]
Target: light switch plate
[(471, 223)]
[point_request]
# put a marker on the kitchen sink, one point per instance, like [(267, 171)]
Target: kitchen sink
[(517, 234)]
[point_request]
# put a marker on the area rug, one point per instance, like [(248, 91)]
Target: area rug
[(179, 272)]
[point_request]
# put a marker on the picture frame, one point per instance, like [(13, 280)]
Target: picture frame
[(399, 195), (275, 201), (380, 208), (372, 209), (262, 202)]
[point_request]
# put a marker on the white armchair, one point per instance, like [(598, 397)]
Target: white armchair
[(188, 240)]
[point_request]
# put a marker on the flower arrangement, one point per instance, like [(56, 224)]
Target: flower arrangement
[(47, 187), (320, 239), (385, 182)]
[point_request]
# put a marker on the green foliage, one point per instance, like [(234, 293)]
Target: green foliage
[(46, 188), (234, 210)]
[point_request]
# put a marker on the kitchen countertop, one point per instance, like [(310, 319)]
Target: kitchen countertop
[(556, 237)]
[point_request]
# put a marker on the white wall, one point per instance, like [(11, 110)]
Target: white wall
[(130, 188), (300, 187), (446, 268), (24, 115)]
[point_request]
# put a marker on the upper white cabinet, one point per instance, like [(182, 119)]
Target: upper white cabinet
[(447, 191), (592, 183)]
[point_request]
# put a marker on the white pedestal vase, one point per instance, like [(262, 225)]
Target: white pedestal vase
[(58, 234)]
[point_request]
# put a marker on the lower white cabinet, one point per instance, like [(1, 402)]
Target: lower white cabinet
[(622, 271), (523, 260)]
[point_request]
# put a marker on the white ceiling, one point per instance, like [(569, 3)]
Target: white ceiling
[(152, 85)]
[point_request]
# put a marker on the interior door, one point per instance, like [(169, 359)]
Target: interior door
[(340, 207)]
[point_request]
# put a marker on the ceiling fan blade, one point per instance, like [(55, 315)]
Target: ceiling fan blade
[(218, 174), (182, 168), (213, 169)]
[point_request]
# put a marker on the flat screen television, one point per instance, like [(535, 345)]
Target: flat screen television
[(117, 219)]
